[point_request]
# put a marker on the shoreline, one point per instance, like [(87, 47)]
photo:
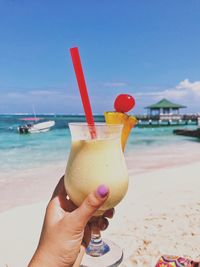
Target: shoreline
[(166, 156), (30, 186), (20, 187), (164, 207)]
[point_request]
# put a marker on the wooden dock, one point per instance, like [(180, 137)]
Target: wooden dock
[(160, 121)]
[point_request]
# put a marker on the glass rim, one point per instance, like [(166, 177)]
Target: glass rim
[(96, 124)]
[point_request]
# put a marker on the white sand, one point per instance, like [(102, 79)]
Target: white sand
[(159, 215)]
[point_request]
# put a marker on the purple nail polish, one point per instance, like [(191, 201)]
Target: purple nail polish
[(102, 190)]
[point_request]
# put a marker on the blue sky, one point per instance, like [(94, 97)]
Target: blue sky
[(150, 49)]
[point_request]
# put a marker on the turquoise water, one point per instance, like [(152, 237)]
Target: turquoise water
[(32, 150)]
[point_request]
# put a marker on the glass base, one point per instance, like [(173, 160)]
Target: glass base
[(97, 247), (111, 257)]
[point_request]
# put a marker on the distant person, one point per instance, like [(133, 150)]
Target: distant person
[(66, 230)]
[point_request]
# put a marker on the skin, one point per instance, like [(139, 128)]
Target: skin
[(67, 229)]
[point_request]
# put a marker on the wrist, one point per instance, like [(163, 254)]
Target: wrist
[(42, 259)]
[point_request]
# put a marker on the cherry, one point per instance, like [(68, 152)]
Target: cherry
[(124, 103)]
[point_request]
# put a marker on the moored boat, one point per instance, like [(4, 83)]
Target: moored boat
[(188, 132), (36, 127)]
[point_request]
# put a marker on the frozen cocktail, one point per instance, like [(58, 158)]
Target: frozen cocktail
[(97, 158), (96, 161)]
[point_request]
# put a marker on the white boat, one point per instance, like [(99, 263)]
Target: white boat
[(36, 127), (41, 127)]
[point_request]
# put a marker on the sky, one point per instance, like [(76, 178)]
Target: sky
[(149, 49)]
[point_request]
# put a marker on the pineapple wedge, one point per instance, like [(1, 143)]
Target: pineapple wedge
[(121, 118)]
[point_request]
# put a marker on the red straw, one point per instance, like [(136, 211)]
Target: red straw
[(83, 90)]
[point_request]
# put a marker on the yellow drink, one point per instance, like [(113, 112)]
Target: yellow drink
[(95, 162)]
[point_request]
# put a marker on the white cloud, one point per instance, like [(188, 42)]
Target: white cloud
[(184, 89), (38, 94), (185, 92), (174, 94), (45, 100), (169, 93), (43, 92), (13, 94), (61, 100), (188, 86), (115, 84)]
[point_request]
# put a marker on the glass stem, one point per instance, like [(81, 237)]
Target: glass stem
[(97, 247)]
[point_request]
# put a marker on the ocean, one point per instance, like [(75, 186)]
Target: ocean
[(19, 152)]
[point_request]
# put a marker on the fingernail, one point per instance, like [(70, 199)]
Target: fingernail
[(102, 191)]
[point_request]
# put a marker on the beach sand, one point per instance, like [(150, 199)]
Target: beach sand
[(159, 215)]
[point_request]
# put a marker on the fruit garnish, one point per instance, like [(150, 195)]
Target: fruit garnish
[(124, 103), (121, 118)]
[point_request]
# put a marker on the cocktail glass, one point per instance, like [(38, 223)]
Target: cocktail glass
[(93, 162)]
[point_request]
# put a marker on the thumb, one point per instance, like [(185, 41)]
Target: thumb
[(91, 204)]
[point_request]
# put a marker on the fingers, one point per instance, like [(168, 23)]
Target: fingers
[(109, 213), (91, 204), (87, 236), (103, 223), (100, 223)]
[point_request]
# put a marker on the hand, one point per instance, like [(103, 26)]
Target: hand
[(66, 230)]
